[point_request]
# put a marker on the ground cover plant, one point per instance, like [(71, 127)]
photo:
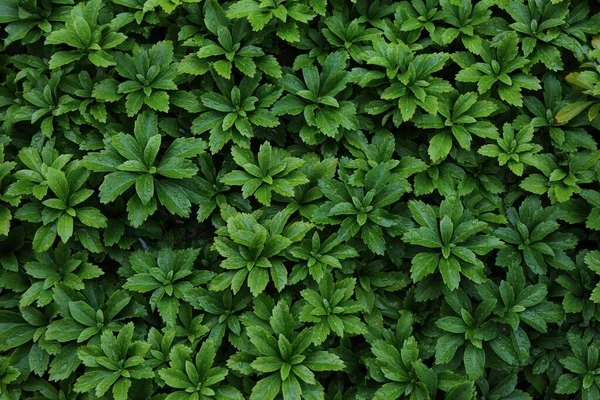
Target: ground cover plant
[(299, 199)]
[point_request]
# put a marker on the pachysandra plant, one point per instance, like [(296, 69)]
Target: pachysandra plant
[(519, 304), (566, 134), (531, 238), (560, 179), (195, 377), (252, 250), (364, 209), (168, 275), (62, 213), (287, 358), (83, 31), (349, 37), (331, 309), (229, 46), (113, 364), (233, 114), (513, 150), (459, 118), (408, 81), (398, 365), (456, 238), (55, 268), (318, 258), (466, 20), (499, 70), (133, 161), (149, 75), (318, 100), (272, 171), (222, 310), (285, 13)]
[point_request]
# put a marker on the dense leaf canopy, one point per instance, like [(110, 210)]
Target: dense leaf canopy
[(299, 199)]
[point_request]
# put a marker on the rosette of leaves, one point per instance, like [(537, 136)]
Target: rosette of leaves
[(8, 375), (320, 101), (149, 75), (55, 268), (81, 87), (364, 209), (585, 82), (31, 177), (561, 176), (418, 15), (403, 370), (455, 238), (580, 293), (393, 32), (368, 155), (231, 114), (539, 25), (197, 378), (190, 326), (469, 333), (286, 356), (234, 47), (60, 214), (500, 67), (6, 168), (350, 37), (46, 103), (168, 275), (519, 302), (272, 170), (565, 136), (443, 177), (466, 22), (222, 310), (28, 21), (253, 248), (161, 343), (319, 258), (379, 151), (133, 160), (374, 12), (460, 117), (284, 15), (514, 150), (407, 82), (331, 308), (212, 192), (306, 196), (86, 314), (531, 238), (90, 38), (581, 369), (115, 363)]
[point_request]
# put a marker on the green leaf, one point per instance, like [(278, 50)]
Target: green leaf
[(267, 388), (173, 197), (446, 347), (440, 146)]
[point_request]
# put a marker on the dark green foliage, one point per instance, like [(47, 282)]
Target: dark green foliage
[(299, 199)]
